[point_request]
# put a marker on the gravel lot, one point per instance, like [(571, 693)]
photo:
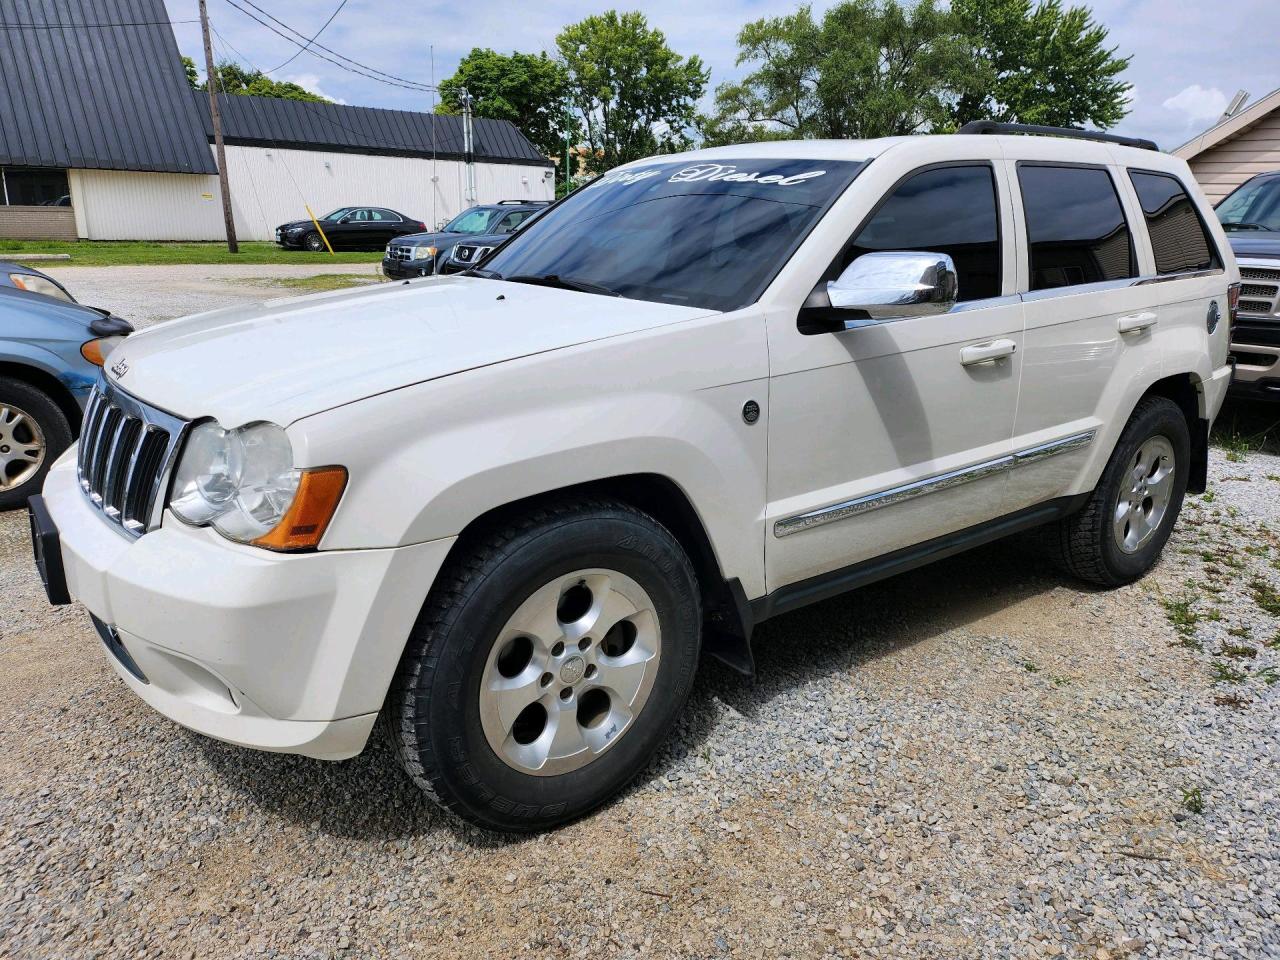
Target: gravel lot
[(977, 759)]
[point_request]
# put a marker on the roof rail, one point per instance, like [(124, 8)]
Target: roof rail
[(991, 126)]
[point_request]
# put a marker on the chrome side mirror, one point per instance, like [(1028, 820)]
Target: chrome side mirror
[(893, 286)]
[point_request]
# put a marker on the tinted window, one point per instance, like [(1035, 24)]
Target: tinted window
[(1178, 237), (474, 220), (699, 234), (1075, 226), (950, 210), (513, 220), (1254, 205), (33, 188)]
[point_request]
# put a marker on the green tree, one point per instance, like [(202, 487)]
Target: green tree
[(632, 93), (1048, 65), (527, 89), (869, 68), (233, 78)]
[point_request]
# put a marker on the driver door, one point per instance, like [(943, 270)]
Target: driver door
[(883, 436)]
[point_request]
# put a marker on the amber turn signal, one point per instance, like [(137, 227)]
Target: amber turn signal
[(304, 523), (93, 352)]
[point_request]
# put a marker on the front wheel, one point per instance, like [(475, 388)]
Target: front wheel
[(33, 433), (1121, 531), (313, 242), (549, 663)]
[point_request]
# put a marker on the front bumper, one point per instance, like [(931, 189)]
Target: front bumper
[(284, 652), (406, 269), (1256, 346)]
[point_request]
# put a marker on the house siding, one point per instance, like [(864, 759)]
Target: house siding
[(1223, 167)]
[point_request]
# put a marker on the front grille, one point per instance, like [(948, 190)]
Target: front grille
[(401, 253), (126, 451), (469, 254), (1259, 291)]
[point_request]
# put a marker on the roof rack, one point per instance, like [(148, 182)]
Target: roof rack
[(523, 203), (991, 126)]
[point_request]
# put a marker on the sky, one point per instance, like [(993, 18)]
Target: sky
[(1189, 58)]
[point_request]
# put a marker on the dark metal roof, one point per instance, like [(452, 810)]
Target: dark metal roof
[(304, 125), (96, 97)]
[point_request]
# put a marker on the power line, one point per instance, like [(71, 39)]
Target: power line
[(371, 73), (310, 108), (313, 39)]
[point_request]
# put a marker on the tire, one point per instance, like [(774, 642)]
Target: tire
[(313, 242), (1105, 546), (31, 424), (496, 615)]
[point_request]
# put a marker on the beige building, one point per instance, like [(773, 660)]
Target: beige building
[(1239, 147)]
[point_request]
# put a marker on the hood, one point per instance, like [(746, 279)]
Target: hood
[(1255, 244), (289, 358), (439, 239)]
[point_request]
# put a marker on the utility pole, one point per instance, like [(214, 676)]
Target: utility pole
[(211, 83), (468, 146)]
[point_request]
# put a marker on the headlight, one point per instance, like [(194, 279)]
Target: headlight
[(424, 253), (24, 281), (243, 483), (95, 351)]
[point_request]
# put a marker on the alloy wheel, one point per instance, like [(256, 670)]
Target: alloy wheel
[(22, 447), (1145, 493), (570, 671)]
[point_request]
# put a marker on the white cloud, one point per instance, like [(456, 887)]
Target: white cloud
[(1198, 104), (311, 82)]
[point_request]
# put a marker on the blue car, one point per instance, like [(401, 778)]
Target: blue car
[(51, 352)]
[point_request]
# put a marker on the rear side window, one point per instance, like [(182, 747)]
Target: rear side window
[(1178, 237), (1075, 226), (949, 210)]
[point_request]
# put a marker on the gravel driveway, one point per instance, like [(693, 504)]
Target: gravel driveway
[(979, 759)]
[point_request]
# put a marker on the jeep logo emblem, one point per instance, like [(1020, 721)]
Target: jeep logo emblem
[(120, 367)]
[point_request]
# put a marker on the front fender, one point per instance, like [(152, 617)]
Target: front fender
[(464, 445)]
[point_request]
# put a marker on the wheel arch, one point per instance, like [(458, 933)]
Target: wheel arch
[(1186, 390), (48, 384), (726, 612)]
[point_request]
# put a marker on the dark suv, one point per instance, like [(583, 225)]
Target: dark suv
[(417, 255), (1251, 217)]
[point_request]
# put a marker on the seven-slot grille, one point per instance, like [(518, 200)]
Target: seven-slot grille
[(1259, 291), (125, 455)]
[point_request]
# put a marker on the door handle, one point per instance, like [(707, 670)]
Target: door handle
[(988, 352), (1137, 322)]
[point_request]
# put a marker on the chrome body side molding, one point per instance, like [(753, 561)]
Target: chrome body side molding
[(919, 488)]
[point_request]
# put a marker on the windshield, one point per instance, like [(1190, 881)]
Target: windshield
[(337, 214), (1252, 206), (700, 234), (474, 220)]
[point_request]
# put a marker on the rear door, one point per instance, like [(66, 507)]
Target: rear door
[(1089, 324)]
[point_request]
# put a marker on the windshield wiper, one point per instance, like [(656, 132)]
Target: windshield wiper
[(564, 283), (1245, 226)]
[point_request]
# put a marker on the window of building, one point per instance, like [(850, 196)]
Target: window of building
[(1178, 237), (34, 187), (949, 210), (1075, 226)]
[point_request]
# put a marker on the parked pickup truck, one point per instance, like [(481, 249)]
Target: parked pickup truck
[(1251, 217), (703, 390)]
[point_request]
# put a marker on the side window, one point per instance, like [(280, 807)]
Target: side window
[(359, 216), (1075, 226), (513, 220), (949, 210), (1178, 237)]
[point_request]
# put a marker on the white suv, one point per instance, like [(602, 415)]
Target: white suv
[(507, 509)]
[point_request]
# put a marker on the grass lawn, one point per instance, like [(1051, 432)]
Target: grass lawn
[(315, 283), (108, 253)]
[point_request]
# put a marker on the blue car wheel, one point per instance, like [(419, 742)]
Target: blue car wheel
[(33, 433)]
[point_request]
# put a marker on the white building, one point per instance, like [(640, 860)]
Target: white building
[(101, 138)]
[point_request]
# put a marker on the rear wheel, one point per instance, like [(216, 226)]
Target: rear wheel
[(549, 663), (33, 433), (1121, 531)]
